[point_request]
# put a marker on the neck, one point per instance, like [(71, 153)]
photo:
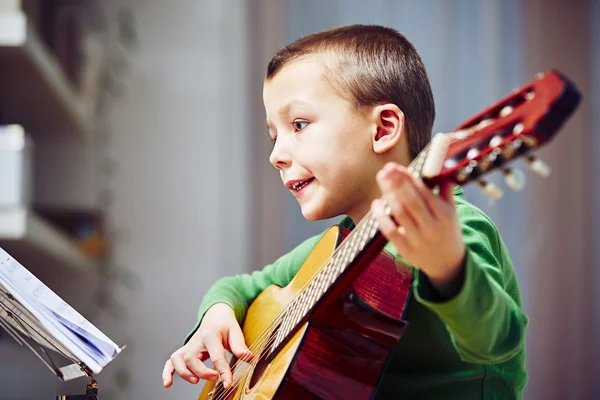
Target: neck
[(358, 212)]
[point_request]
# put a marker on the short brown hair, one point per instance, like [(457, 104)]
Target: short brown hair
[(374, 64)]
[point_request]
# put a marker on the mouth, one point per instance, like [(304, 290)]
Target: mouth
[(298, 185)]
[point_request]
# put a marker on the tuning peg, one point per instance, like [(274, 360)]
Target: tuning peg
[(505, 111), (490, 190), (538, 166), (515, 178), (530, 95), (466, 172)]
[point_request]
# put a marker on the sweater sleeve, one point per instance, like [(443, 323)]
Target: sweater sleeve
[(484, 318), (239, 291)]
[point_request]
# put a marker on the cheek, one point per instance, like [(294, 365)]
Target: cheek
[(338, 150)]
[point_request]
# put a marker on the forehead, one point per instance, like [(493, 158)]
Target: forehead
[(303, 79)]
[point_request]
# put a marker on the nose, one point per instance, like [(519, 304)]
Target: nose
[(280, 156)]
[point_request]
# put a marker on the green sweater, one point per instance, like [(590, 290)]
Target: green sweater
[(469, 347)]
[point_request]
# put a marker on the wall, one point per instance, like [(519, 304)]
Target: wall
[(180, 188), (563, 340), (595, 16)]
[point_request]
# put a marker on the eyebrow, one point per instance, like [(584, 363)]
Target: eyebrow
[(285, 110)]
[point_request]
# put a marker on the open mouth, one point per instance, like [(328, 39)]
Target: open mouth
[(298, 186)]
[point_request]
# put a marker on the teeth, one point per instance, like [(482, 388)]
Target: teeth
[(299, 185)]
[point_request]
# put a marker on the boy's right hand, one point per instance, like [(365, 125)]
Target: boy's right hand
[(219, 331)]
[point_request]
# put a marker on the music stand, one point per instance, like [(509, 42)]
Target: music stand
[(23, 327)]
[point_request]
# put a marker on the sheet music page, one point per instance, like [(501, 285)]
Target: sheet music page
[(69, 327), (26, 324)]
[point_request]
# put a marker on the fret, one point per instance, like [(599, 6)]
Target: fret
[(346, 259), (285, 326), (362, 240), (354, 247), (313, 287), (327, 275), (303, 301), (338, 262), (279, 337), (319, 286), (374, 230), (331, 275), (323, 285), (364, 235)]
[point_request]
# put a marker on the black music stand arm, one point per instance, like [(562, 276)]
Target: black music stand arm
[(91, 393)]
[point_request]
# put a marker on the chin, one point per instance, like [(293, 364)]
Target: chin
[(316, 213)]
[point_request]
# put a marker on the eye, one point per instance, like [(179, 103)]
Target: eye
[(299, 125)]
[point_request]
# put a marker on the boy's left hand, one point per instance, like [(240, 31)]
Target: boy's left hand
[(426, 231)]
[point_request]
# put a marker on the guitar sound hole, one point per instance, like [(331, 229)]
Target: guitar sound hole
[(263, 361)]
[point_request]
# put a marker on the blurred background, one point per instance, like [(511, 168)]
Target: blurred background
[(134, 165)]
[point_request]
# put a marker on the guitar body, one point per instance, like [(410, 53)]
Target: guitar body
[(342, 349)]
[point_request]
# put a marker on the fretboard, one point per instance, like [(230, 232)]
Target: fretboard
[(342, 259)]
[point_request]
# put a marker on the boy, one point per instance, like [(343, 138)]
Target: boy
[(348, 109)]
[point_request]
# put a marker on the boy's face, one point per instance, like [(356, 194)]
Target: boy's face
[(323, 147)]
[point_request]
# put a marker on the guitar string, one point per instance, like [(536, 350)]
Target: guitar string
[(260, 342), (266, 338), (269, 329), (465, 131)]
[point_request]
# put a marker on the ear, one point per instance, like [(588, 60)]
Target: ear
[(388, 129)]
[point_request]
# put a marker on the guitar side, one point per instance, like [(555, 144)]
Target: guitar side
[(342, 351), (262, 312)]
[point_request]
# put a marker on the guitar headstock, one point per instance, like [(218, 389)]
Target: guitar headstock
[(512, 128)]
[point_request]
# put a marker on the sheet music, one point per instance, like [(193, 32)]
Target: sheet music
[(62, 323), (27, 325)]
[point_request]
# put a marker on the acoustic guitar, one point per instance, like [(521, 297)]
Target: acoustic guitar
[(330, 332)]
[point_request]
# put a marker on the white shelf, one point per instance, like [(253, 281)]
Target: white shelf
[(33, 242), (34, 92)]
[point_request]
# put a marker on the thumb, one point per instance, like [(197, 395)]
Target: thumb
[(237, 343), (167, 374)]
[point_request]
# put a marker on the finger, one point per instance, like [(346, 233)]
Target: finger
[(442, 204), (182, 369), (194, 363), (167, 374), (237, 344), (405, 198), (214, 345), (430, 199), (396, 235), (401, 218)]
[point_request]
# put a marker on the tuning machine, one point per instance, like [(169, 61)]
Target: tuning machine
[(514, 178), (490, 190), (538, 166)]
